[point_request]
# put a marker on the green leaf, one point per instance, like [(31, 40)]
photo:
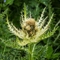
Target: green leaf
[(45, 2), (10, 2), (48, 34), (55, 55), (10, 43), (49, 51)]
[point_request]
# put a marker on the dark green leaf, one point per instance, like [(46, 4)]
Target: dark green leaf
[(10, 2)]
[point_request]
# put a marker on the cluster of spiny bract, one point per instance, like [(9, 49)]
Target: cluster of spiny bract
[(32, 30)]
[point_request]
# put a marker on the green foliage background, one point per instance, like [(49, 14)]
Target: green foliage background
[(49, 49)]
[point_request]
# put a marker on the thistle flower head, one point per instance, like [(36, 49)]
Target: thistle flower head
[(32, 30), (29, 26)]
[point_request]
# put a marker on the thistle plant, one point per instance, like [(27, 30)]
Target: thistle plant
[(32, 31)]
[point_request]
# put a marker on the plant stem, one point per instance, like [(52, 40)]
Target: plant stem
[(31, 51)]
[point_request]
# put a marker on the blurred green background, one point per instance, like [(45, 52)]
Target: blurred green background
[(13, 8)]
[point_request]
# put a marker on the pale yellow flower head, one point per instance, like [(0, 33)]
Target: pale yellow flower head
[(32, 30)]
